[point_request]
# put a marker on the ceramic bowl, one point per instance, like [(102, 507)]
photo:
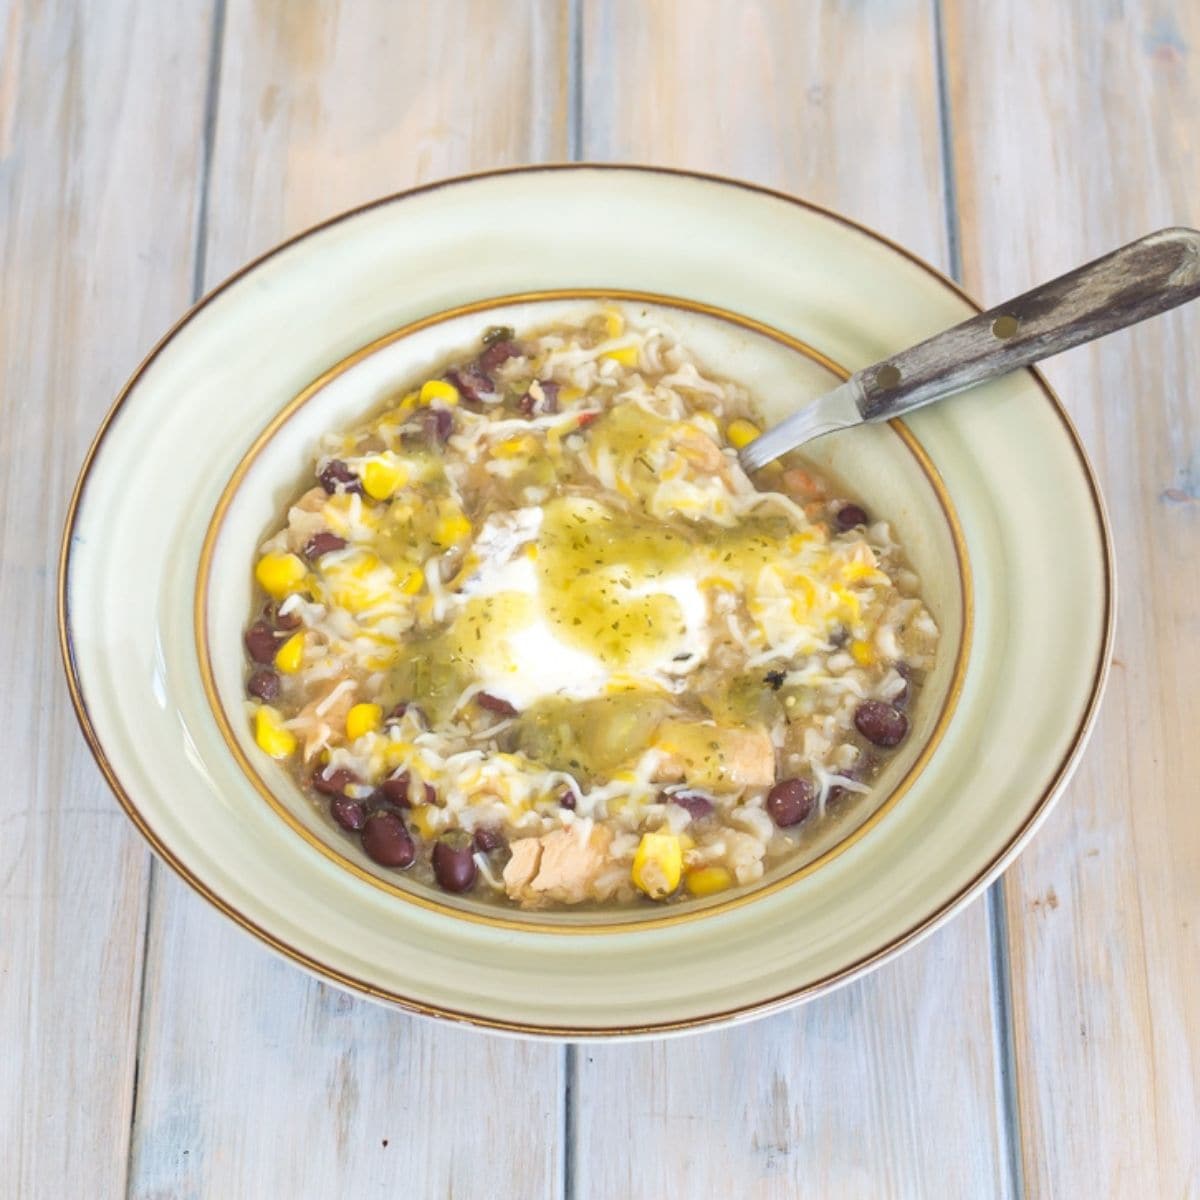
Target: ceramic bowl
[(211, 436)]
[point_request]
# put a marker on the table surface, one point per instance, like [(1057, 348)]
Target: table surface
[(1046, 1042)]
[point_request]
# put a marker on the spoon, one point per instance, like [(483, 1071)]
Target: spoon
[(1137, 281)]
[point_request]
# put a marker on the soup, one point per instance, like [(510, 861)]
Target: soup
[(533, 634)]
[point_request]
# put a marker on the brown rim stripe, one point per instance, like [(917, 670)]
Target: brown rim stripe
[(667, 916), (927, 924)]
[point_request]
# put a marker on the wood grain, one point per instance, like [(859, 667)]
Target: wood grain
[(97, 226), (254, 1079), (1074, 131), (887, 1087)]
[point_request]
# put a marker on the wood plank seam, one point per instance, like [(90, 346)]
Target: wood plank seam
[(1002, 1027), (574, 73), (211, 101), (207, 134)]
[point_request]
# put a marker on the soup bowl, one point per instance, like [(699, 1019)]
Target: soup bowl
[(991, 496)]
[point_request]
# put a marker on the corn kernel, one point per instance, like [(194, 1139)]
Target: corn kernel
[(363, 719), (657, 865), (706, 881), (627, 356), (614, 323), (741, 433), (413, 582), (848, 601), (515, 447), (861, 652), (290, 655), (421, 819), (280, 574), (381, 477), (396, 754), (440, 390), (452, 526), (270, 734)]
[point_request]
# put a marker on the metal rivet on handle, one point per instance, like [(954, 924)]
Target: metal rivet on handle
[(1004, 327), (887, 376)]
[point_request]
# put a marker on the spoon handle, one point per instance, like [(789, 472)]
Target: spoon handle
[(1137, 281)]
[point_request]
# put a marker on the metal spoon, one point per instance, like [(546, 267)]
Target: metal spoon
[(1142, 279)]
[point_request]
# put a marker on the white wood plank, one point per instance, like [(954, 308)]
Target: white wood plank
[(97, 220), (1074, 131), (254, 1079), (887, 1087)]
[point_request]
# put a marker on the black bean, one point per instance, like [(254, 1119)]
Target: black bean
[(436, 425), (473, 384), (264, 684), (337, 477), (862, 770), (323, 543), (395, 790), (776, 679), (495, 704), (454, 866), (850, 515), (566, 799), (288, 621), (489, 838), (532, 406), (881, 723), (385, 839), (335, 783), (261, 642), (790, 801), (698, 807), (349, 814), (497, 353)]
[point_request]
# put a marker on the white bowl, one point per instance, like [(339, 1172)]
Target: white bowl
[(991, 494), (883, 465)]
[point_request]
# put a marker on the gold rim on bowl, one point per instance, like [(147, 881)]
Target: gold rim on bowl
[(638, 920)]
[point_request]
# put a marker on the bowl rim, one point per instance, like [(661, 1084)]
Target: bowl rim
[(896, 945), (659, 917)]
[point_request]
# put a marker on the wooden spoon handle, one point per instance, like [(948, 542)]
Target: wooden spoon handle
[(1146, 277)]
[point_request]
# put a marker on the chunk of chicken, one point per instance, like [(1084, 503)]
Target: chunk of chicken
[(559, 867), (721, 758), (323, 719), (305, 519), (699, 451)]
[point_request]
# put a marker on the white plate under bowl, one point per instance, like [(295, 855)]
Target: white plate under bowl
[(992, 494)]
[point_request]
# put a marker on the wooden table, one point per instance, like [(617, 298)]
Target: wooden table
[(1047, 1042)]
